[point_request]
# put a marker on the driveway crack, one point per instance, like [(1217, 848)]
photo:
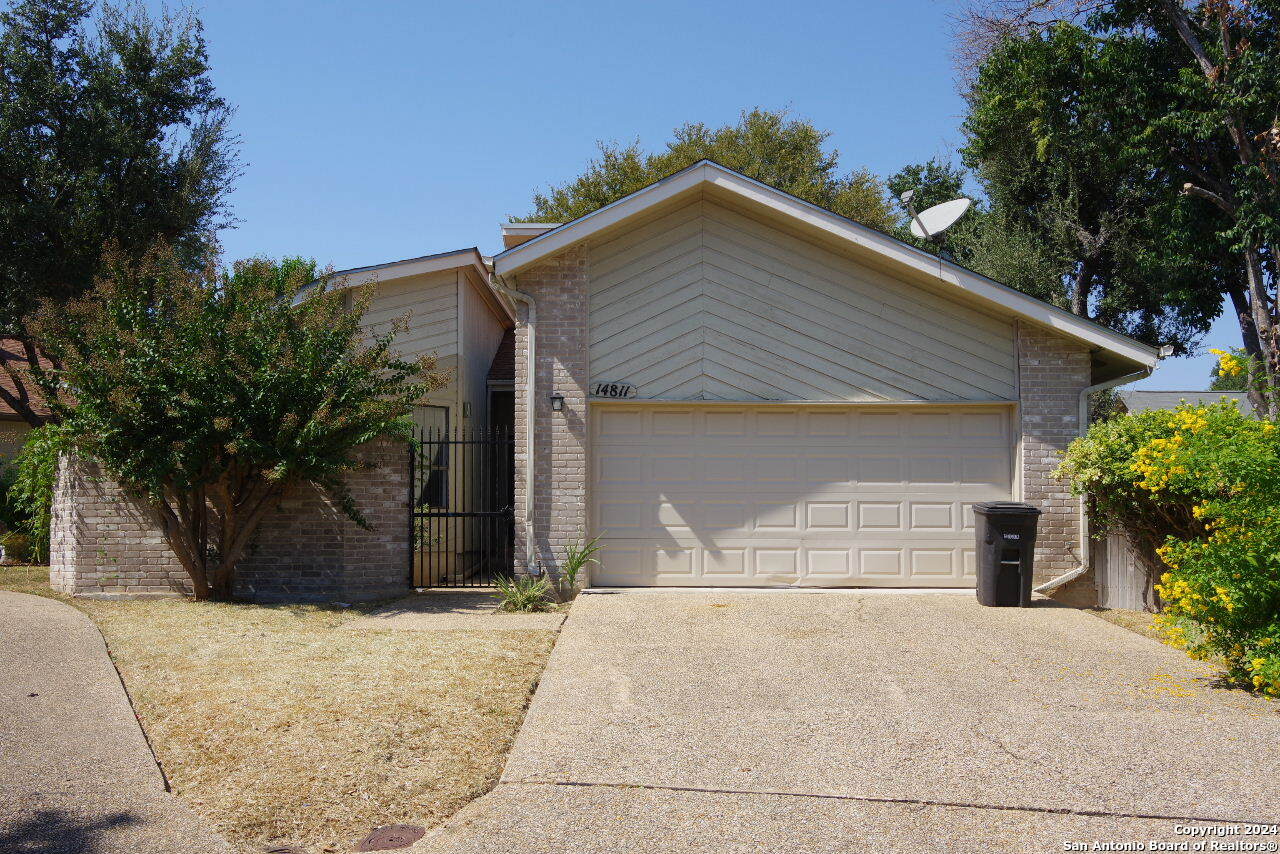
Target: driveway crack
[(877, 799)]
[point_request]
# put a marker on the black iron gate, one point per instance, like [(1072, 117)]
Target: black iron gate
[(461, 498)]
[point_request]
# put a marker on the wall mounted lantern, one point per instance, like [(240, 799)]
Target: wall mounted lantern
[(557, 401)]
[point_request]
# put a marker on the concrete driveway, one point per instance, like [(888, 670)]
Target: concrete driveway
[(845, 721)]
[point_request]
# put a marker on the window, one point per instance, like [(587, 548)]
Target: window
[(433, 427)]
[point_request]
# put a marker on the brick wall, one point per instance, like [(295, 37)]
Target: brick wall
[(1052, 371), (306, 550), (309, 551), (559, 288)]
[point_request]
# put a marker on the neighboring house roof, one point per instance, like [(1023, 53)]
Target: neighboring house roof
[(503, 367), (13, 354), (469, 258), (705, 176), (1140, 401)]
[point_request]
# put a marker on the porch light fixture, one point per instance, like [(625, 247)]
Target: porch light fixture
[(557, 401)]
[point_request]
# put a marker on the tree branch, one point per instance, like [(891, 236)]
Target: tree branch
[(1189, 189)]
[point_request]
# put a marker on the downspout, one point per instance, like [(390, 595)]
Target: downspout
[(531, 373), (1085, 561)]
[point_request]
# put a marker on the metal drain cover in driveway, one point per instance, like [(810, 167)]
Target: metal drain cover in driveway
[(391, 837)]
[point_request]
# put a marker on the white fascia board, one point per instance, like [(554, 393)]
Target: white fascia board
[(529, 227), (988, 290), (413, 267)]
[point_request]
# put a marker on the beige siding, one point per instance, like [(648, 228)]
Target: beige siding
[(708, 303), (431, 301), (482, 330)]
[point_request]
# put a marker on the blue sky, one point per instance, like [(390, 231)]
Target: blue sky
[(382, 130)]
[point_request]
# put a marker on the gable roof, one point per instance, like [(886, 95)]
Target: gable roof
[(706, 174), (469, 258)]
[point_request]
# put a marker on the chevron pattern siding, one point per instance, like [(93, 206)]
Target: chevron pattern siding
[(709, 303)]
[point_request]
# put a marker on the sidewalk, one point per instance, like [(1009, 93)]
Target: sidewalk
[(76, 774)]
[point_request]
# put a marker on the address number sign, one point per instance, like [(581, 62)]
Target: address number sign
[(613, 391)]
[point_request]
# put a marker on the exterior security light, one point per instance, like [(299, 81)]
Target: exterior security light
[(557, 401)]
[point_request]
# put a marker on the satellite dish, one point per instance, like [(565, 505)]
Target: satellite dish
[(937, 219)]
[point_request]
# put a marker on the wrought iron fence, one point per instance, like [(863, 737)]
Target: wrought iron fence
[(462, 525)]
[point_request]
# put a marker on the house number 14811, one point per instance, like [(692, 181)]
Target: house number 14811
[(614, 391)]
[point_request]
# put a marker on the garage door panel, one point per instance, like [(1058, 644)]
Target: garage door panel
[(871, 468), (932, 516), (724, 470), (758, 496), (773, 516), (992, 470), (667, 469), (879, 516)]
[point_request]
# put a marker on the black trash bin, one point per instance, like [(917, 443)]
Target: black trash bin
[(1006, 535)]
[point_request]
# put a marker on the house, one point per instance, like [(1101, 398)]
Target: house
[(1141, 400), (727, 385), (732, 387), (13, 427)]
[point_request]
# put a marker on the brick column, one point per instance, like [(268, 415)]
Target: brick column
[(1052, 371), (559, 289), (102, 543)]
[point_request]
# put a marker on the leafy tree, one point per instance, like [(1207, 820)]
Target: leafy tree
[(1209, 128), (770, 146), (1052, 130), (110, 130), (209, 393)]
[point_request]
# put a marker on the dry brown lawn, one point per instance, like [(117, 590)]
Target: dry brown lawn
[(1134, 621), (279, 728)]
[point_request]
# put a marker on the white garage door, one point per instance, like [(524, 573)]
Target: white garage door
[(755, 496)]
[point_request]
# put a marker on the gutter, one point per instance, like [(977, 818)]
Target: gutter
[(1086, 563), (531, 373)]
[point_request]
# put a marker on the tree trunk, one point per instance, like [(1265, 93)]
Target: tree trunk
[(179, 533), (240, 502), (1081, 290), (1244, 315), (1264, 385)]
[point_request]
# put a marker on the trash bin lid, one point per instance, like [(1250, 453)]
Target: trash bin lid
[(1006, 508)]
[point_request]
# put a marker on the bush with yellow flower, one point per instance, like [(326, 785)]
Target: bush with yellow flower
[(1199, 486)]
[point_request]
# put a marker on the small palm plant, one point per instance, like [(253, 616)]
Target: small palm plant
[(577, 554), (522, 592)]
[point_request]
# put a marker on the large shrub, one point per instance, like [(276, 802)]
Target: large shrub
[(1207, 478), (211, 392)]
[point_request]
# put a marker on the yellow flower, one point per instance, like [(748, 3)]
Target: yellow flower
[(1229, 364)]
